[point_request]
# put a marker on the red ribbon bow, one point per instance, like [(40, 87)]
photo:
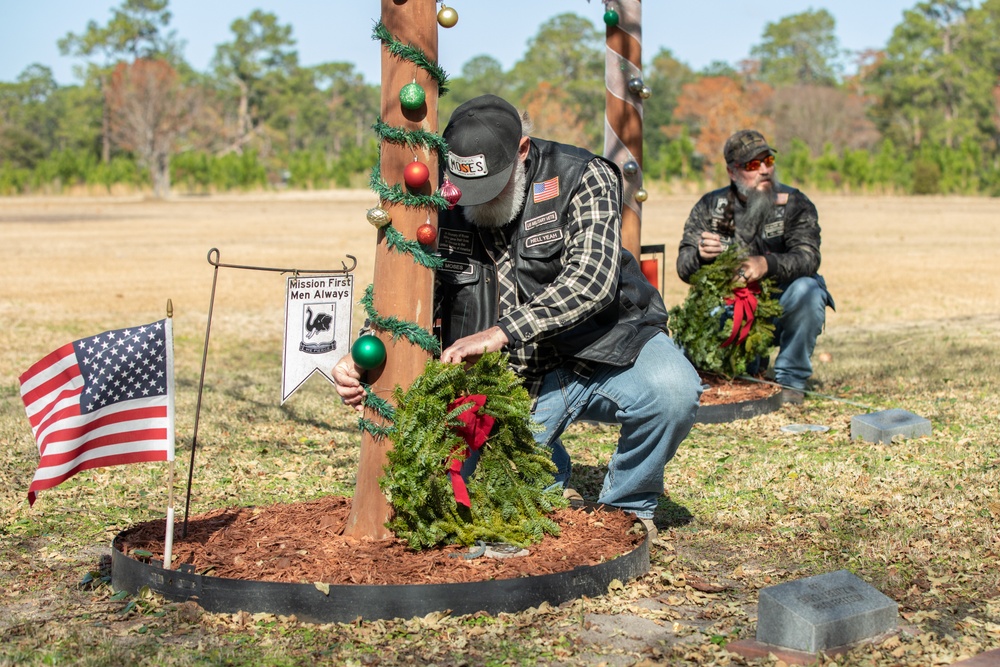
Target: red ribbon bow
[(475, 429), (744, 303)]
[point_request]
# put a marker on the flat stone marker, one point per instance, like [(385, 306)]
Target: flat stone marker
[(823, 612), (881, 426)]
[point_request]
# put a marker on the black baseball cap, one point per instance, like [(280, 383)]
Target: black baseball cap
[(744, 146), (482, 136)]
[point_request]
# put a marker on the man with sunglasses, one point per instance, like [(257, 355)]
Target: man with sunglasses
[(778, 227)]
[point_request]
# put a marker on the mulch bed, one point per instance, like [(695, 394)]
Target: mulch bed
[(722, 391), (301, 543)]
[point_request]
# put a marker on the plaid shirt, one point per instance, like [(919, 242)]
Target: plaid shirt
[(591, 265)]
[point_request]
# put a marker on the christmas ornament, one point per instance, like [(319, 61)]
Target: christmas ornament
[(630, 168), (450, 192), (635, 85), (368, 352), (412, 96), (415, 174), (379, 217), (645, 93), (611, 18), (447, 17), (641, 195), (426, 234)]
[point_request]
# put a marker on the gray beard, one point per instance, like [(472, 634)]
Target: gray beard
[(760, 205), (501, 209)]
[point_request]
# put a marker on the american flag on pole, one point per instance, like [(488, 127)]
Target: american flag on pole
[(102, 401)]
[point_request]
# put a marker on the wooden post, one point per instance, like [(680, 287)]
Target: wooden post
[(623, 112), (403, 288)]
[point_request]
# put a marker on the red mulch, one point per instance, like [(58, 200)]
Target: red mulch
[(722, 391), (301, 543)]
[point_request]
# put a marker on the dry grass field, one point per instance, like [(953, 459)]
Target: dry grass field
[(917, 327)]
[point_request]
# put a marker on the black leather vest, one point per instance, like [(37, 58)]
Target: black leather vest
[(466, 290)]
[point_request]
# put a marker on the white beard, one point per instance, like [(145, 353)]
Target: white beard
[(505, 206)]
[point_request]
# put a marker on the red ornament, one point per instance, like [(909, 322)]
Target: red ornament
[(426, 234), (451, 193), (415, 174)]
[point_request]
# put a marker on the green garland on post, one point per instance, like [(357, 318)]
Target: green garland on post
[(410, 138), (397, 195), (413, 54), (511, 491), (395, 240), (697, 325), (399, 328)]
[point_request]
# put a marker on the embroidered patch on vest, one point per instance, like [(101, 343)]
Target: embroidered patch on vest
[(454, 242), (473, 166), (545, 238), (456, 267), (772, 229), (551, 216), (720, 206), (545, 190)]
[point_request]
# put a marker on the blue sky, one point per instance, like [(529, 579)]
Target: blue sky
[(697, 32)]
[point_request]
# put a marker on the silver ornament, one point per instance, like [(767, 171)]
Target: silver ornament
[(635, 85), (630, 168), (645, 93)]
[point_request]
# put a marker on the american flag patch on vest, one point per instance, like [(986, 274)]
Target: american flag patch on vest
[(545, 190)]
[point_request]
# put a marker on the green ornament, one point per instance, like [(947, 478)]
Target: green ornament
[(611, 18), (412, 96), (368, 352)]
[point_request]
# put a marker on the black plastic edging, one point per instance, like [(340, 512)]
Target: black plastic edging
[(727, 412), (348, 602)]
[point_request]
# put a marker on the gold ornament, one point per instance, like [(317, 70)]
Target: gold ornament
[(641, 195), (447, 17), (379, 217)]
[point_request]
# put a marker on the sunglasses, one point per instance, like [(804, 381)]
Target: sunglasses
[(754, 165)]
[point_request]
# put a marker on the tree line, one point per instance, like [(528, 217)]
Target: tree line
[(921, 115)]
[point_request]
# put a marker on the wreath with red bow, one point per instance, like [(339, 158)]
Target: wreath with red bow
[(447, 413), (726, 324)]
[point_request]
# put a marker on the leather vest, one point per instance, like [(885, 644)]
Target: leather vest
[(467, 292)]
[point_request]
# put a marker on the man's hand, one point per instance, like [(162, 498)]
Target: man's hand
[(347, 378), (710, 246), (470, 348), (752, 268)]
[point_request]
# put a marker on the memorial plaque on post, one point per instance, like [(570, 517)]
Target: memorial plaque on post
[(823, 612)]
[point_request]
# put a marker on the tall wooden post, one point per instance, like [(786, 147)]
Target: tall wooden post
[(403, 288), (623, 112)]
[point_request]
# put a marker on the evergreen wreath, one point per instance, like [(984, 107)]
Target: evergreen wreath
[(512, 489), (702, 323)]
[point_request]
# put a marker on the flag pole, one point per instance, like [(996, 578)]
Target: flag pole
[(168, 539), (213, 259)]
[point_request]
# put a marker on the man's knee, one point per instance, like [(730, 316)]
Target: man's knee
[(804, 299)]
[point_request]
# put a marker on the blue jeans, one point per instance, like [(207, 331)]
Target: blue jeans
[(655, 401), (803, 303)]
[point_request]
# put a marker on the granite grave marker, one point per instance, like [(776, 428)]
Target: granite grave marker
[(823, 612)]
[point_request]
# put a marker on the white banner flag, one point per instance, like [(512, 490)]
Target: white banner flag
[(317, 327)]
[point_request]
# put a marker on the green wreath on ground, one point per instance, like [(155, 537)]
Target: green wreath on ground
[(705, 331), (511, 492)]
